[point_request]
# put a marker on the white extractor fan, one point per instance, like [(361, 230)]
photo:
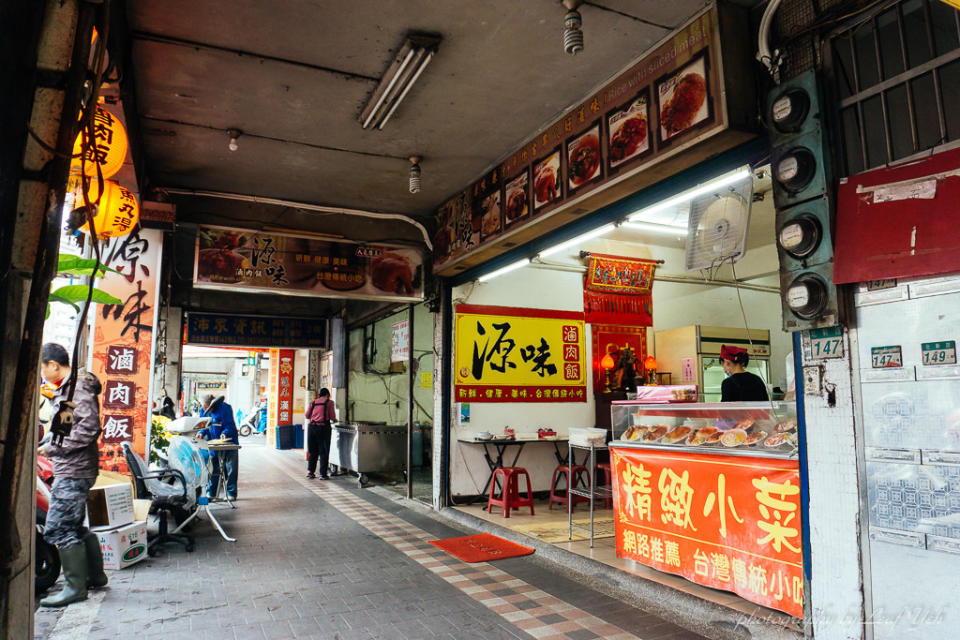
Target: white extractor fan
[(717, 228)]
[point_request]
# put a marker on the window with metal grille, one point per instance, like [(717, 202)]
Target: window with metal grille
[(897, 75)]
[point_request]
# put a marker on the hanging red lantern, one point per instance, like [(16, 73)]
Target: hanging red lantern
[(117, 213), (108, 148)]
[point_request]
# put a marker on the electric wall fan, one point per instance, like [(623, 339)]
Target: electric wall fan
[(717, 227)]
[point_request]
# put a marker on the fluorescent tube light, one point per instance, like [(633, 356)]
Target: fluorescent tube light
[(414, 56), (713, 185), (573, 242), (654, 227), (513, 266)]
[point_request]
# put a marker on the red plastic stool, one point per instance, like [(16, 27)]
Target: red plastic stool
[(605, 467), (510, 497), (563, 496)]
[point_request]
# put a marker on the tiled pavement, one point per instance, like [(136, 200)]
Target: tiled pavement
[(319, 559)]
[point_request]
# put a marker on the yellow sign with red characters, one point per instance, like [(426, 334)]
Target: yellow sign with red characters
[(723, 522), (506, 354)]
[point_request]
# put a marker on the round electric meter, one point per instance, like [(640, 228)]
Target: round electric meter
[(795, 169), (789, 110), (807, 296), (800, 236)]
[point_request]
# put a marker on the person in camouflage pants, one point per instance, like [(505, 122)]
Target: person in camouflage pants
[(75, 468)]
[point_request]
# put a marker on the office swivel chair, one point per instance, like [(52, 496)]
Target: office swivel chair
[(165, 499)]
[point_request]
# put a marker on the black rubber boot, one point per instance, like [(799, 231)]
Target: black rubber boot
[(96, 578), (74, 562)]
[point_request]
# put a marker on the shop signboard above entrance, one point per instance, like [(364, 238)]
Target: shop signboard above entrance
[(682, 102), (245, 259), (713, 520), (506, 354), (228, 330)]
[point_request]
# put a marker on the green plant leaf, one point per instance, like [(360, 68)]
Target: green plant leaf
[(70, 265), (78, 293), (57, 298)]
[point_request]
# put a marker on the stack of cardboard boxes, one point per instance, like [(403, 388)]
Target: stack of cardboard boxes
[(110, 509)]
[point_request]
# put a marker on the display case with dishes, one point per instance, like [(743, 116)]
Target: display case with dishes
[(757, 429)]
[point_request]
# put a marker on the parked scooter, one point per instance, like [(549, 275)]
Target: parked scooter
[(46, 556), (255, 421)]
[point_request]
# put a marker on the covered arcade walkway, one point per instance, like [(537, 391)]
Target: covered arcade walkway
[(326, 560)]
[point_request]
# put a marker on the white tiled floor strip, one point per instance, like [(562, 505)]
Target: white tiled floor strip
[(523, 605)]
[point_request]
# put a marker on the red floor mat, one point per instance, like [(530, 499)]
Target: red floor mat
[(481, 548)]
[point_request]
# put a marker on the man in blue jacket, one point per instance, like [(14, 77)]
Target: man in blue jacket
[(223, 426)]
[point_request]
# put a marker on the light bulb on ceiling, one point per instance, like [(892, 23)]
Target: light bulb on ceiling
[(234, 134), (414, 174), (572, 23)]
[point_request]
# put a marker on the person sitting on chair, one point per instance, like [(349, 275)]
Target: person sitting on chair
[(223, 427)]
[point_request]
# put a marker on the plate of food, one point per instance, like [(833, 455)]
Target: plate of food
[(702, 436), (755, 437), (676, 435), (655, 433), (786, 425), (733, 438), (776, 440), (634, 433)]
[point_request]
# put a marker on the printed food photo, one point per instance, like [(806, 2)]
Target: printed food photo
[(517, 203), (683, 100), (217, 260), (583, 155), (628, 132), (546, 180), (490, 220)]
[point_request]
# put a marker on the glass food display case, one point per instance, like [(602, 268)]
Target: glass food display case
[(711, 492), (760, 429)]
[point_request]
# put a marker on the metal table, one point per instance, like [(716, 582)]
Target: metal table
[(500, 445)]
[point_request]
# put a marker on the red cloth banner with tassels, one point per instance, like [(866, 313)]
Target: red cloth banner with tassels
[(616, 274)]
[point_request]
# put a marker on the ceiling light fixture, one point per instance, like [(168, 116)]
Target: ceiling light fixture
[(572, 33), (513, 266), (414, 56), (713, 185), (653, 227), (575, 242), (234, 134), (414, 174)]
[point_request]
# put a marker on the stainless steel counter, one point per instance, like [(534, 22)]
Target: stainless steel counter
[(365, 447)]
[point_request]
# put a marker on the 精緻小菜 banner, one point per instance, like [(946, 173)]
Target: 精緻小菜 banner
[(282, 263), (665, 102), (506, 354), (725, 522)]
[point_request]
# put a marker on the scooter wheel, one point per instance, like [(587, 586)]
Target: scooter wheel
[(245, 430), (47, 565)]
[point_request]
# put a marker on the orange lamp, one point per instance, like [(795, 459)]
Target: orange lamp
[(117, 213), (108, 148), (607, 362), (650, 364)]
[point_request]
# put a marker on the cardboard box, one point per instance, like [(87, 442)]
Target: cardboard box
[(141, 509), (110, 505), (124, 545)]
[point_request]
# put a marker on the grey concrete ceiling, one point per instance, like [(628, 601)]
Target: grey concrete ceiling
[(293, 75)]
